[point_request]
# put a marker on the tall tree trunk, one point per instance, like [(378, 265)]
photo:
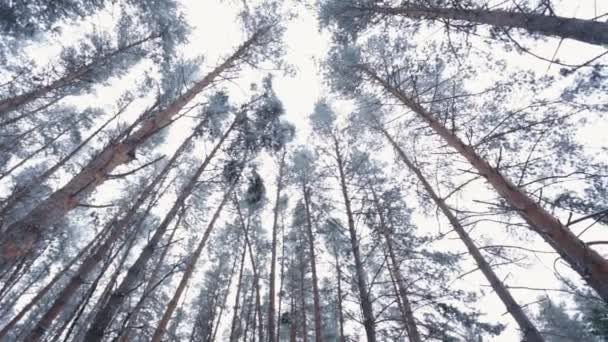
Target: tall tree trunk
[(528, 329), (239, 284), (84, 301), (273, 257), (42, 292), (292, 324), (410, 321), (42, 148), (162, 324), (342, 337), (26, 234), (584, 30), (303, 300), (366, 304), (19, 194), (13, 103), (153, 281), (254, 268), (117, 230), (216, 325), (77, 280), (104, 316), (281, 282), (592, 267), (313, 265)]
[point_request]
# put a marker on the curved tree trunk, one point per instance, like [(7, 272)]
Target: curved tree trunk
[(591, 266)]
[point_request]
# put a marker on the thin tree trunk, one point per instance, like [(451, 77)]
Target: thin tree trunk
[(273, 258), (303, 301), (584, 30), (408, 315), (254, 269), (235, 313), (104, 316), (162, 325), (313, 266), (292, 323), (224, 301), (592, 267), (281, 277), (247, 316), (366, 304), (340, 309), (13, 103), (528, 329), (26, 234), (152, 283)]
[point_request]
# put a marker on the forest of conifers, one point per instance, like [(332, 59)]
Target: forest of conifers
[(292, 170)]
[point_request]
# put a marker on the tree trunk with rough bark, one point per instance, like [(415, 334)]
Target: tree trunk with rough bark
[(15, 102), (162, 324), (239, 284), (584, 30), (273, 257), (26, 234), (591, 266), (526, 326), (19, 194), (117, 230), (410, 321), (313, 265), (42, 292), (104, 316), (366, 304)]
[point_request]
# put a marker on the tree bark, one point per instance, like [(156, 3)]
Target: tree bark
[(26, 234), (313, 266), (340, 309), (408, 315), (588, 31), (366, 304), (303, 301), (118, 227), (13, 103), (273, 257), (162, 324), (592, 267), (42, 292), (529, 331), (104, 316), (235, 313), (42, 148), (19, 194)]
